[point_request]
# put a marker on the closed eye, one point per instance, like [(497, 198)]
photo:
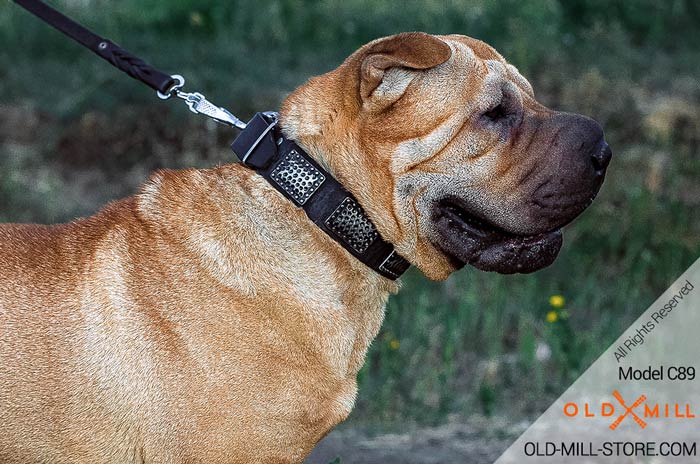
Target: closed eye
[(505, 112), (498, 112)]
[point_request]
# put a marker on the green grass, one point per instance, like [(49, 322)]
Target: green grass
[(75, 133)]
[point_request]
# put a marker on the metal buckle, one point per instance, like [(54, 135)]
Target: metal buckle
[(394, 265), (259, 139), (198, 104)]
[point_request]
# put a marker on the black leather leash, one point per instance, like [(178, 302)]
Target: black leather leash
[(114, 54), (260, 146)]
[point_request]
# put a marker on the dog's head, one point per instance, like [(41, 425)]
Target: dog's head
[(445, 146)]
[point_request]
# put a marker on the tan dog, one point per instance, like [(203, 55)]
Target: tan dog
[(207, 319)]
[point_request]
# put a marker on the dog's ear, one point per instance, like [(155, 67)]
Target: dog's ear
[(406, 51)]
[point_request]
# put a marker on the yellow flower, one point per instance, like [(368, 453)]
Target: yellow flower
[(394, 344), (557, 301), (552, 317)]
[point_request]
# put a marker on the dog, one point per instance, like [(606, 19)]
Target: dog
[(207, 319)]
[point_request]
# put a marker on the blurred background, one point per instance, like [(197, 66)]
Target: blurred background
[(460, 367)]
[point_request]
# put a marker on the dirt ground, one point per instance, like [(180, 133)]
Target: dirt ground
[(479, 442)]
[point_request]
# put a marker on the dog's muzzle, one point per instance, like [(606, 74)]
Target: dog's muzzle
[(579, 157), (468, 239)]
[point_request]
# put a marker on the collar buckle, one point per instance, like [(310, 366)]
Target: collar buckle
[(255, 146)]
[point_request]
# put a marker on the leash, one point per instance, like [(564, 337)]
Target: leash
[(165, 85), (260, 146)]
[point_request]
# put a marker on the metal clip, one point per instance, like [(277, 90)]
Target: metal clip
[(199, 104)]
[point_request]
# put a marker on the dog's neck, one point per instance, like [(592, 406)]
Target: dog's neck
[(256, 243), (327, 118), (308, 116), (318, 116), (263, 147)]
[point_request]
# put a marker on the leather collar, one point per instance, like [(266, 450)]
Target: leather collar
[(289, 169)]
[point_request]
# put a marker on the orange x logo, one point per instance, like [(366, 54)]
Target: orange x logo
[(628, 410)]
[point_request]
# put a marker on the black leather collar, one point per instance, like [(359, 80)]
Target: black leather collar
[(289, 169)]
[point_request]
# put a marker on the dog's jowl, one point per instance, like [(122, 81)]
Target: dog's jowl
[(208, 319)]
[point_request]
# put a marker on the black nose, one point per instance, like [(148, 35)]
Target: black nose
[(601, 158)]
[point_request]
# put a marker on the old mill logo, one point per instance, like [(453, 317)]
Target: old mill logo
[(640, 410)]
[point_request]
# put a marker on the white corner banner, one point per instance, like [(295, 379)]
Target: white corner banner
[(638, 402)]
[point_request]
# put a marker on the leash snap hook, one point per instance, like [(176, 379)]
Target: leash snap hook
[(198, 104)]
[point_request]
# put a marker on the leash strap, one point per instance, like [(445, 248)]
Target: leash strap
[(290, 170), (114, 54), (166, 86)]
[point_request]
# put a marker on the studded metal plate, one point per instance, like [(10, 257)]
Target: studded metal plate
[(297, 177), (351, 224), (394, 264)]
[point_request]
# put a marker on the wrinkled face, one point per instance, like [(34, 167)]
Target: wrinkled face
[(462, 164), (497, 175)]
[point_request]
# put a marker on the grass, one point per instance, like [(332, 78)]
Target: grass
[(75, 133)]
